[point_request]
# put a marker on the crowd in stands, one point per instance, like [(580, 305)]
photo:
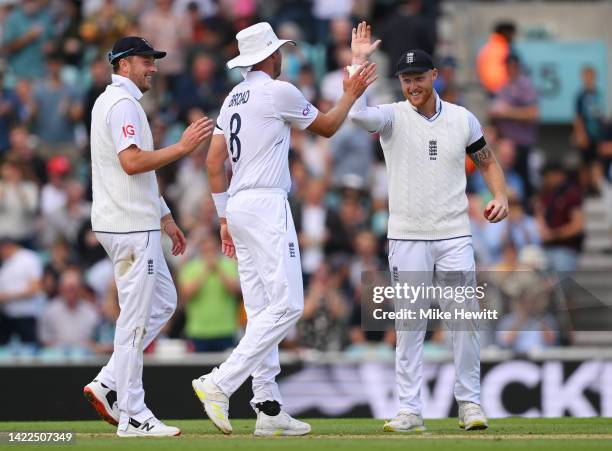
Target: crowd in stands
[(56, 284)]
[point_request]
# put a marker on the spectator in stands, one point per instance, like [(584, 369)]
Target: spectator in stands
[(307, 83), (515, 112), (367, 256), (344, 226), (505, 152), (529, 326), (326, 312), (209, 289), (170, 31), (18, 203), (22, 151), (21, 297), (27, 38), (310, 217), (68, 40), (58, 108), (69, 321), (53, 195), (24, 91), (522, 229), (9, 109), (491, 61), (200, 88), (340, 38), (560, 218), (103, 27), (405, 28), (446, 83), (100, 79), (68, 220), (588, 129)]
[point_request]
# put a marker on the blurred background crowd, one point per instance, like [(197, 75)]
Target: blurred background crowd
[(57, 293)]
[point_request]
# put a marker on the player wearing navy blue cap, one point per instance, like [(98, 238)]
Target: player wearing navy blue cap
[(425, 141)]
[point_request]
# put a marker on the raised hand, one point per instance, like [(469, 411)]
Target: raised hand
[(361, 47), (363, 77), (196, 133)]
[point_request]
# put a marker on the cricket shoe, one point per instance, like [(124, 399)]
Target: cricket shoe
[(216, 403), (405, 422), (471, 417), (150, 428), (104, 400), (277, 422)]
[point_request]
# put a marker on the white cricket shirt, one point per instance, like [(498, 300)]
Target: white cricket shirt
[(122, 203), (256, 119), (425, 160)]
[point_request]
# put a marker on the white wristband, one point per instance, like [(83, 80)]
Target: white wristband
[(220, 200), (163, 207), (352, 69)]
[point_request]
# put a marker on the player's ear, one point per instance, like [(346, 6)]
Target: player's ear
[(434, 73)]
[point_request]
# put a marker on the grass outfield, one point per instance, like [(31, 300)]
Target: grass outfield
[(576, 434)]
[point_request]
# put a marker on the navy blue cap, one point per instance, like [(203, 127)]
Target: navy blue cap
[(133, 45), (415, 61)]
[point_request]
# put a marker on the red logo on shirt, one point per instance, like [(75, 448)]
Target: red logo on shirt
[(128, 130)]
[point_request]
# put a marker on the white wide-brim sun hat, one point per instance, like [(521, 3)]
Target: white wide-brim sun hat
[(255, 44)]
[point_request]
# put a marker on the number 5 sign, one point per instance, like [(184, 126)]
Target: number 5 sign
[(555, 67)]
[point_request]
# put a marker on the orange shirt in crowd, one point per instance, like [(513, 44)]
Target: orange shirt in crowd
[(491, 63)]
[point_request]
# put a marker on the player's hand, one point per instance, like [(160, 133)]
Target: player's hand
[(363, 77), (227, 244), (195, 134), (179, 243), (496, 210), (361, 47)]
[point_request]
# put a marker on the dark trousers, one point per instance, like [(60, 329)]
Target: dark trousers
[(213, 344), (24, 328)]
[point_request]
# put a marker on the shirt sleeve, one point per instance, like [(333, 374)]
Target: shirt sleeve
[(476, 139), (292, 106), (377, 119), (124, 124)]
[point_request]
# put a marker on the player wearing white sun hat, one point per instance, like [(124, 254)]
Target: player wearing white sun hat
[(253, 131)]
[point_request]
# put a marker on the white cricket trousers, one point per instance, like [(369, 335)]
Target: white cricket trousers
[(147, 299), (419, 261), (262, 228)]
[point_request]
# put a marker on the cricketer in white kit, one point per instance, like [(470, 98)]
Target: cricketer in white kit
[(256, 223), (424, 141), (128, 215)]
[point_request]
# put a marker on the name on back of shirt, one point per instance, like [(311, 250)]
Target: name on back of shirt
[(239, 99)]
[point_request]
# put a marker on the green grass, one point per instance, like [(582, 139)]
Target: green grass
[(576, 434)]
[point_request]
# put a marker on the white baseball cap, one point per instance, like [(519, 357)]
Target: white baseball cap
[(256, 43)]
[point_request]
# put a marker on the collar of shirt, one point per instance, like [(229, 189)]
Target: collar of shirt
[(257, 75), (438, 108), (127, 84)]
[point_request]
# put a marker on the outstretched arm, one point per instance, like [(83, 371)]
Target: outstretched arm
[(497, 209), (371, 119), (326, 124)]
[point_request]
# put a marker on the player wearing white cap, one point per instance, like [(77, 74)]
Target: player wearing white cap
[(424, 141), (128, 215), (256, 223)]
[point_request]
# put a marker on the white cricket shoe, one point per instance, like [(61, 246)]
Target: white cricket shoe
[(104, 400), (216, 403), (405, 422), (150, 428), (471, 417), (281, 424)]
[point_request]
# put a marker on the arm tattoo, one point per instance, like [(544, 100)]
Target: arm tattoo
[(482, 156)]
